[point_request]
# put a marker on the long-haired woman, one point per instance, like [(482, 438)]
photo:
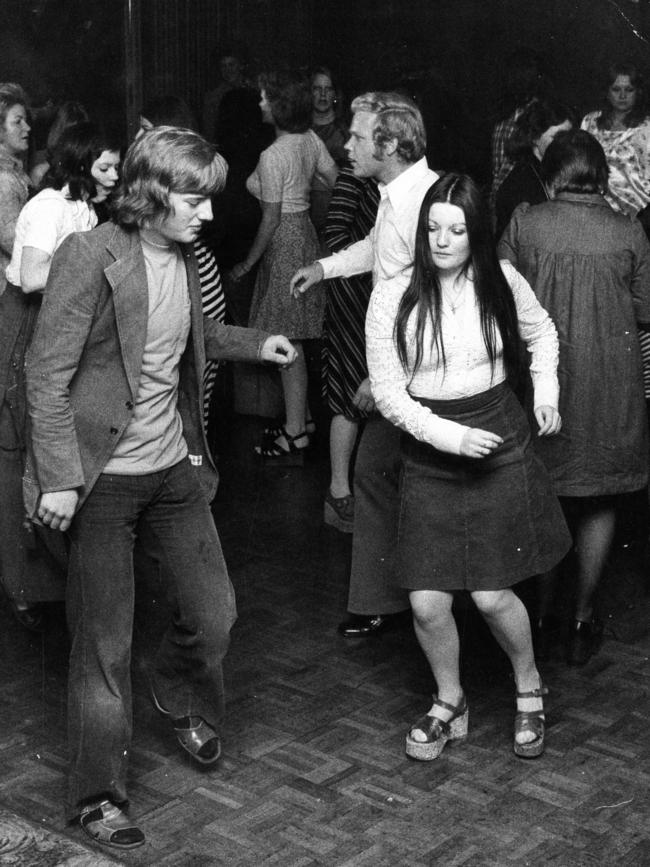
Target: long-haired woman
[(477, 508)]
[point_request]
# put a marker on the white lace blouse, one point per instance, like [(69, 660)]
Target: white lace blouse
[(467, 371)]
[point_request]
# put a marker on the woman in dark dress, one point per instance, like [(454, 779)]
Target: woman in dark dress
[(477, 510), (536, 128), (590, 268), (350, 218)]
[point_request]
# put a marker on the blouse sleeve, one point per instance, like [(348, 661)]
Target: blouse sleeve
[(44, 230), (540, 336), (641, 144), (324, 162), (271, 174), (389, 381)]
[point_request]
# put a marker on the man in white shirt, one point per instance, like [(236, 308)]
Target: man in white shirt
[(387, 142)]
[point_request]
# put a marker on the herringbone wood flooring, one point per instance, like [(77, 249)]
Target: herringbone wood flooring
[(313, 770)]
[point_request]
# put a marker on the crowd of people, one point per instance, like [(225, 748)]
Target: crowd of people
[(482, 368)]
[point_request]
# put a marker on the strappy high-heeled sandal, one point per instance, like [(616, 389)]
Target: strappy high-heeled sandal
[(274, 430), (438, 731), (530, 721), (274, 452)]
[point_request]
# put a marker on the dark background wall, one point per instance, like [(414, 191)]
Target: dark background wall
[(454, 51)]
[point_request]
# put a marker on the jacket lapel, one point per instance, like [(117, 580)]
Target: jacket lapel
[(128, 280)]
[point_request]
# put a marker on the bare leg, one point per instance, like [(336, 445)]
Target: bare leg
[(294, 387), (507, 618), (343, 435), (436, 631)]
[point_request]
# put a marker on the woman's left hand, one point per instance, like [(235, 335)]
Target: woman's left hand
[(549, 421)]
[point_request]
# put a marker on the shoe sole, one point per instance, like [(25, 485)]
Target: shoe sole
[(97, 838), (528, 751), (427, 752), (291, 459), (423, 752), (195, 756), (103, 832)]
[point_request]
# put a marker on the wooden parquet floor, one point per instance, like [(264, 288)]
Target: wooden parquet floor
[(313, 770)]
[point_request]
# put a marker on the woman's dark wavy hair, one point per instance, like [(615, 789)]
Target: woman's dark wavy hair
[(640, 111), (73, 156), (289, 97), (533, 122), (68, 114), (575, 162), (494, 296)]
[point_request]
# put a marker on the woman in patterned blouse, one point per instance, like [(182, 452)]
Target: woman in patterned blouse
[(622, 127)]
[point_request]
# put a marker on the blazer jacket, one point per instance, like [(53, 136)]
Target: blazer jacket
[(83, 366)]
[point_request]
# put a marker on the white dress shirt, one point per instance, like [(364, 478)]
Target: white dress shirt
[(389, 249)]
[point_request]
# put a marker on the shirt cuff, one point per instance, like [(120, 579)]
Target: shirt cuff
[(444, 435), (329, 267), (546, 391)]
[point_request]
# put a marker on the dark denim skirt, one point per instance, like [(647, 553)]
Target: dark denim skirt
[(477, 524)]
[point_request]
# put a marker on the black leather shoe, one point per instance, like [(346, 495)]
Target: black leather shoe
[(584, 641), (363, 625)]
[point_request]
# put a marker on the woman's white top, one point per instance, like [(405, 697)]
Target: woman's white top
[(44, 222), (467, 371)]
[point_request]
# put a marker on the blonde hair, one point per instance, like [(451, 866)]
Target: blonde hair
[(397, 118), (11, 94)]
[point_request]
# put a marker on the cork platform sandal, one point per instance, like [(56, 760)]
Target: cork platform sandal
[(438, 731)]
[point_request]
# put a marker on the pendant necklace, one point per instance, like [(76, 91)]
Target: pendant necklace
[(458, 299)]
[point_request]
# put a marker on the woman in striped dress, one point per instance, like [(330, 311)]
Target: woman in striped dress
[(351, 216)]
